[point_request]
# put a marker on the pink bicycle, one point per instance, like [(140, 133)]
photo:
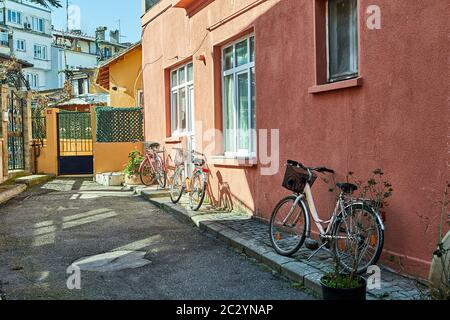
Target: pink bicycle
[(153, 168)]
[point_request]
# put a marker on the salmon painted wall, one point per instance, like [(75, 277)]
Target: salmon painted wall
[(126, 73), (397, 119)]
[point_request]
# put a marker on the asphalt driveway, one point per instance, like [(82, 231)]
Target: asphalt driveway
[(125, 248)]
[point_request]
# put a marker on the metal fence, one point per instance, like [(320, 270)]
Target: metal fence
[(39, 127), (119, 124)]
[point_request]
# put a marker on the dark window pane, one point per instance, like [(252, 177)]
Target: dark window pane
[(343, 47)]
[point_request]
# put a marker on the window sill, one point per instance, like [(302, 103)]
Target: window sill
[(356, 82), (173, 140), (222, 161)]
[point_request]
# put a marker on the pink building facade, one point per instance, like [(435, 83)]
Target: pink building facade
[(353, 85)]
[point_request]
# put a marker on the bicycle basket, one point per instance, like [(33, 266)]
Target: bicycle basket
[(295, 178), (180, 157), (151, 146)]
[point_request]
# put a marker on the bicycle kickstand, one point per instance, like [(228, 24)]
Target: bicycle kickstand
[(317, 251)]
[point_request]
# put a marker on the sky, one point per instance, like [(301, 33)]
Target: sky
[(94, 13)]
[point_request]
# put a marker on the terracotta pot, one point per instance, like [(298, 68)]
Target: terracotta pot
[(132, 180)]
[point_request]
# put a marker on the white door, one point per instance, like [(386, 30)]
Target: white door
[(190, 128)]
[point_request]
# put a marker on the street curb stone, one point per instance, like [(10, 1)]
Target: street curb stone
[(9, 192)]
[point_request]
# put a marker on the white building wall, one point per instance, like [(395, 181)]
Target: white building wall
[(21, 31), (75, 61), (31, 40)]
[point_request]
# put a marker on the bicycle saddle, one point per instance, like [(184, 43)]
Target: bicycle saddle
[(153, 145), (347, 187)]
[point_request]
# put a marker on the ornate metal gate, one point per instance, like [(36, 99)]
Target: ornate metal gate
[(16, 156), (75, 143)]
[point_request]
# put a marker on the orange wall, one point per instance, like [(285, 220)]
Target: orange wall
[(47, 162), (113, 157), (126, 73), (396, 120)]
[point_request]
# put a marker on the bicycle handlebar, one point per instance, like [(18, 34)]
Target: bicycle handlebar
[(317, 169)]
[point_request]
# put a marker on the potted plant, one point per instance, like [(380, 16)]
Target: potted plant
[(338, 285), (131, 170), (439, 278)]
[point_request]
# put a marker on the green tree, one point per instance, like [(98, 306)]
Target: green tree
[(48, 3)]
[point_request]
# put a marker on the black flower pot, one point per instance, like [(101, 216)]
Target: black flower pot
[(355, 294)]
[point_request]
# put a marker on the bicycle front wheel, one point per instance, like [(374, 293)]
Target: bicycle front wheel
[(288, 226), (198, 191), (358, 238), (147, 173), (177, 185)]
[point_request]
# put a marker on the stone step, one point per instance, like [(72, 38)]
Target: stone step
[(155, 194), (34, 180), (15, 174), (7, 192)]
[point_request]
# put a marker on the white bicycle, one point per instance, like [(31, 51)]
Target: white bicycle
[(355, 228)]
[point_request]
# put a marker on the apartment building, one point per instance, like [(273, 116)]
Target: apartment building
[(79, 54), (26, 33)]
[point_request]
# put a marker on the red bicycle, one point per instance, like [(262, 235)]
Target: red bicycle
[(153, 167)]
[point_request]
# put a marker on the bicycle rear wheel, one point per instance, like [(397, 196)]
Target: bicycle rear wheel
[(358, 238), (161, 176), (177, 185), (147, 173), (288, 226), (198, 191)]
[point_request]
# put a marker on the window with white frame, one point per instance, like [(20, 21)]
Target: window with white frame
[(14, 16), (40, 52), (37, 24), (181, 87), (33, 80), (140, 98), (238, 93), (342, 35), (20, 45), (4, 38)]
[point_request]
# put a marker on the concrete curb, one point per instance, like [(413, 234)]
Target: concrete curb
[(11, 191), (34, 180)]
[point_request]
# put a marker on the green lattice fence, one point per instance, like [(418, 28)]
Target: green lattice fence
[(119, 124)]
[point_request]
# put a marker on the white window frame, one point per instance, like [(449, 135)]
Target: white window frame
[(174, 105), (354, 59), (35, 26), (6, 34), (43, 52), (33, 80), (18, 16), (139, 98), (235, 71), (24, 49)]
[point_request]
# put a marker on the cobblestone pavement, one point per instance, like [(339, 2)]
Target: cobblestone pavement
[(393, 286)]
